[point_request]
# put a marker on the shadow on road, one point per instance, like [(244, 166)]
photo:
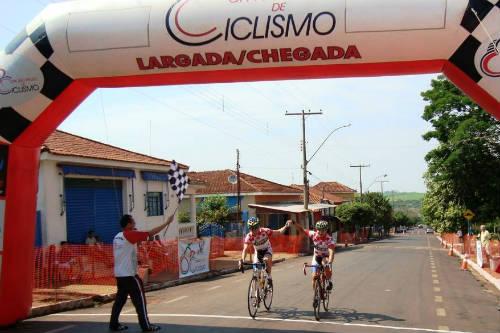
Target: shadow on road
[(343, 315)]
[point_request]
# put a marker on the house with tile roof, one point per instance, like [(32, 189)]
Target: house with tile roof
[(340, 192), (88, 185), (273, 203)]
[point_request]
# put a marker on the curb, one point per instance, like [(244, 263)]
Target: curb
[(88, 302), (494, 281)]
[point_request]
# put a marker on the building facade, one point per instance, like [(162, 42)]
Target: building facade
[(85, 185)]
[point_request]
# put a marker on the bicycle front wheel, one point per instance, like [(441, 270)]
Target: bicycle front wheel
[(317, 299), (268, 295), (253, 301), (326, 300)]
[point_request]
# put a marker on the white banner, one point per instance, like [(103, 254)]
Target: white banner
[(479, 254), (194, 256)]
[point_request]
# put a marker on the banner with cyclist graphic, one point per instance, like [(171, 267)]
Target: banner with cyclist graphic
[(194, 256)]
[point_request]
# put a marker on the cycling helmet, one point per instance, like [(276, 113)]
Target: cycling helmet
[(253, 222), (321, 225)]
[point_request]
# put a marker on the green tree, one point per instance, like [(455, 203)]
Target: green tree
[(355, 214), (401, 218), (214, 210), (463, 169), (382, 209)]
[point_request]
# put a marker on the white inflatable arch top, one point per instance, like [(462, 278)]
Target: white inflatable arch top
[(72, 48)]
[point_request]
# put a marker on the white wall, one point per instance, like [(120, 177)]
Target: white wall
[(51, 187), (140, 214)]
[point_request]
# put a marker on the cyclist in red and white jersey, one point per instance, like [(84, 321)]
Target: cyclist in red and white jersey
[(324, 247), (259, 238)]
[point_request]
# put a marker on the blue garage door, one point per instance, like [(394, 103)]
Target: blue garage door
[(93, 205)]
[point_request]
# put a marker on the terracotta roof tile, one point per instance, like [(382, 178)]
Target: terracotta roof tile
[(316, 195), (217, 183), (62, 143), (333, 187)]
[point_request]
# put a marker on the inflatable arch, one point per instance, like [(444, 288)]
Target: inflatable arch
[(72, 48)]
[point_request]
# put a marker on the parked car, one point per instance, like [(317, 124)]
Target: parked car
[(429, 231)]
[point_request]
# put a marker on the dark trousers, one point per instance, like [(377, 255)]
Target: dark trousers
[(130, 285)]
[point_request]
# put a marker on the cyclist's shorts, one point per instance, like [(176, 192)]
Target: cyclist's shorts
[(260, 254), (317, 260)]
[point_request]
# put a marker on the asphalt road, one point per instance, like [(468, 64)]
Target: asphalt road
[(403, 284)]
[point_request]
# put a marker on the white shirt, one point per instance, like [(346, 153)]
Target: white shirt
[(125, 252)]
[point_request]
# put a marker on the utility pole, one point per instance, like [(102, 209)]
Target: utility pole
[(304, 153), (382, 185), (360, 166), (239, 186)]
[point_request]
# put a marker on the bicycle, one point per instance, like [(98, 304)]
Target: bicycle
[(259, 289), (321, 293)]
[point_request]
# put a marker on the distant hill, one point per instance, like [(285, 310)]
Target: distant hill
[(404, 196), (407, 202)]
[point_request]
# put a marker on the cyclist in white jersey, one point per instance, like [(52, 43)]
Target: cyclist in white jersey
[(324, 247), (259, 238)]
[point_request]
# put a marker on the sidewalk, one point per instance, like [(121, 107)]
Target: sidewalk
[(492, 277)]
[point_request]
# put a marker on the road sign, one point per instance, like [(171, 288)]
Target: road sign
[(468, 214)]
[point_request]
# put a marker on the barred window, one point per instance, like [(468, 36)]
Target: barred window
[(155, 203)]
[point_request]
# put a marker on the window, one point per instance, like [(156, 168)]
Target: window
[(154, 203)]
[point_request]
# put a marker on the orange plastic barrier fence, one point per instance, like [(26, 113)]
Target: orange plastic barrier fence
[(467, 245), (59, 266), (353, 238)]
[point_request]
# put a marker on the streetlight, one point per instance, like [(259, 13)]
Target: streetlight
[(306, 162), (321, 145)]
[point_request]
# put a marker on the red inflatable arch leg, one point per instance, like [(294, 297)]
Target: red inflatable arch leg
[(16, 276)]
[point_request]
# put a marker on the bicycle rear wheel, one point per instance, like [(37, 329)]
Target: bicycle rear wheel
[(253, 301), (268, 295), (317, 299)]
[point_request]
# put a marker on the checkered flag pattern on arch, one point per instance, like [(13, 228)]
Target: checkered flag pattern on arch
[(178, 180)]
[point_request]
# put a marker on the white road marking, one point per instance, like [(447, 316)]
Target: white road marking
[(213, 288), (437, 289), (312, 322), (434, 275), (438, 299), (443, 328), (435, 281), (60, 329), (388, 290), (433, 271), (174, 300), (441, 312)]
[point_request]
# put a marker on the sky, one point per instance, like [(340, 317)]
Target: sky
[(203, 125)]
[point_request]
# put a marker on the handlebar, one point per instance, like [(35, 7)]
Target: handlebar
[(256, 265), (306, 265)]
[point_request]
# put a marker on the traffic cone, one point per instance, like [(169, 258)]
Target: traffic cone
[(464, 266), (450, 252)]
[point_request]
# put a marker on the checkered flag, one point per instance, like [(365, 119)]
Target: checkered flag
[(178, 180)]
